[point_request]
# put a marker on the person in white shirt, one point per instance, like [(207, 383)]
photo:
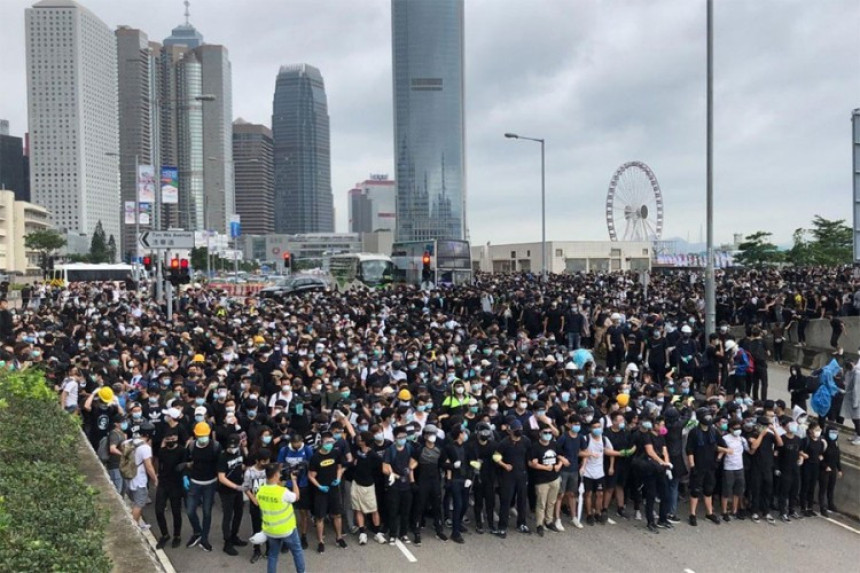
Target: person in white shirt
[(138, 485), (69, 395), (733, 469)]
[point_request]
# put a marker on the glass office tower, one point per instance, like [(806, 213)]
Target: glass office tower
[(429, 131)]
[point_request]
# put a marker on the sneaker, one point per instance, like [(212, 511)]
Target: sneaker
[(320, 547), (810, 513), (162, 541), (177, 541), (440, 535), (637, 515), (362, 538), (404, 539), (609, 520), (379, 537), (341, 543), (392, 540), (524, 529), (713, 518), (256, 556), (458, 539), (653, 528), (621, 514), (502, 534), (353, 530), (855, 441), (665, 525), (417, 539), (589, 520), (479, 529), (205, 546), (144, 526), (785, 519), (726, 517), (236, 542), (825, 513), (195, 539), (230, 550), (770, 519), (795, 515), (540, 530), (692, 521), (576, 523), (304, 541), (755, 517), (558, 526), (602, 517), (673, 518)]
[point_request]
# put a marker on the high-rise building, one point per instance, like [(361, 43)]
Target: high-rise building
[(254, 174), (300, 131), (429, 132), (13, 164), (136, 71), (72, 112), (372, 205)]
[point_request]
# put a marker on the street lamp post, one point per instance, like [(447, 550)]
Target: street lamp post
[(710, 287), (542, 198)]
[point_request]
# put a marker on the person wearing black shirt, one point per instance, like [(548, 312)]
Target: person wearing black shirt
[(367, 465), (616, 480), (545, 463), (654, 462), (230, 479), (480, 452), (789, 471), (397, 464), (170, 456), (428, 486), (511, 457), (813, 447), (325, 472), (762, 449), (457, 478), (703, 443), (831, 468), (201, 457)]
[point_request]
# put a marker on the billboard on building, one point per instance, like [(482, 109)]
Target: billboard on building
[(146, 183), (169, 186)]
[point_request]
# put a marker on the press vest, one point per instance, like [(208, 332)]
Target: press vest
[(279, 518)]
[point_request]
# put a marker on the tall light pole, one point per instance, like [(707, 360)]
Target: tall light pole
[(542, 199), (710, 287)]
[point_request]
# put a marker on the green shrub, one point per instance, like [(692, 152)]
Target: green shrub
[(48, 517)]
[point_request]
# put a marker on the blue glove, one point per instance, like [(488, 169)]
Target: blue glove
[(186, 483), (323, 488), (335, 483)]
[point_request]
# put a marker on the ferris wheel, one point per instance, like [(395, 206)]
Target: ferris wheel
[(634, 204)]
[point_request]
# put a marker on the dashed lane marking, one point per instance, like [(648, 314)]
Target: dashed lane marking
[(842, 525), (406, 553)]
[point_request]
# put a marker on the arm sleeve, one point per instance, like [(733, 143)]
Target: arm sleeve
[(289, 497)]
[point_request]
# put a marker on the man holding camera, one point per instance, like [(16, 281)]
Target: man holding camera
[(279, 518)]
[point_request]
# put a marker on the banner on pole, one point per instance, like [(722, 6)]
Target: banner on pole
[(169, 186), (146, 183)]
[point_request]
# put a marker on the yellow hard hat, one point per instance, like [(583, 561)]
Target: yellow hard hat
[(198, 358), (259, 340), (106, 394), (623, 400), (201, 429), (404, 394)]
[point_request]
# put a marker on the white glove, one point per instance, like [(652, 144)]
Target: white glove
[(468, 483), (391, 479), (457, 464)]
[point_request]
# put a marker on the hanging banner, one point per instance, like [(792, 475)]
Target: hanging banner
[(129, 213), (145, 214), (169, 186), (146, 183)]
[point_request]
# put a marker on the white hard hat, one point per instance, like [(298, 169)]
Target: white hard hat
[(686, 329), (632, 367), (258, 538), (730, 345), (570, 366), (615, 316)]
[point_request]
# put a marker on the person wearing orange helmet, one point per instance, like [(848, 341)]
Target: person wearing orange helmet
[(201, 461)]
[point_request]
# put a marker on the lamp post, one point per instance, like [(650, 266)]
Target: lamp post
[(710, 287), (542, 198)]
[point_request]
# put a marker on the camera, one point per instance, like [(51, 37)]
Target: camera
[(296, 469)]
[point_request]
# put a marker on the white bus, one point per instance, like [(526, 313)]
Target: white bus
[(64, 274), (349, 270)]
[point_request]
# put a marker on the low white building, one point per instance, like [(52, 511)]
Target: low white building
[(17, 220), (563, 257)]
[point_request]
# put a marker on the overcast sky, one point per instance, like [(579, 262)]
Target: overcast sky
[(603, 81)]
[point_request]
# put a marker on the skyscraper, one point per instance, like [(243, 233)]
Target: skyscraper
[(429, 132), (255, 195), (12, 164), (372, 205), (72, 112), (300, 130)]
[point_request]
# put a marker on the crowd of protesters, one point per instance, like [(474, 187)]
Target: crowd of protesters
[(572, 403)]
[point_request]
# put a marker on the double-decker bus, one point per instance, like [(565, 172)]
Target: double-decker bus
[(349, 270), (450, 262)]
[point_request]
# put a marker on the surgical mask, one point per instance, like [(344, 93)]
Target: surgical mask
[(401, 442), (662, 431), (833, 435), (199, 401), (199, 418), (136, 415), (647, 425), (267, 439), (430, 439), (459, 390), (337, 436), (363, 427), (300, 409), (420, 407), (379, 437), (203, 441), (792, 428), (575, 428), (503, 382), (327, 447), (597, 431), (533, 396), (546, 436), (724, 427), (565, 397), (377, 411), (123, 426), (622, 425), (736, 432), (816, 433), (541, 412)]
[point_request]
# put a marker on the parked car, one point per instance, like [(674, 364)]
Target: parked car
[(294, 285)]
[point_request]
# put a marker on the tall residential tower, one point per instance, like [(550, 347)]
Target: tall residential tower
[(429, 132), (255, 196), (300, 130)]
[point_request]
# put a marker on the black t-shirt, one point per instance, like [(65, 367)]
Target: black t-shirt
[(763, 457), (168, 459), (514, 453), (789, 452), (657, 442), (205, 461), (231, 466), (367, 467), (702, 444), (325, 465), (544, 454), (399, 462), (475, 450)]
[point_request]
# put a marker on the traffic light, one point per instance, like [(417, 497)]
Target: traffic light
[(147, 263), (426, 272), (288, 261), (184, 272), (173, 276)]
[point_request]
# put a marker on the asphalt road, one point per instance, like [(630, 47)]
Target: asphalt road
[(807, 544)]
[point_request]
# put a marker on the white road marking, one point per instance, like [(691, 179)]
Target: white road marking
[(689, 571), (406, 553), (833, 521)]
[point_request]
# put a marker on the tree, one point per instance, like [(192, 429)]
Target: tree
[(111, 249), (98, 245), (831, 243), (801, 253), (46, 241), (198, 258), (757, 250)]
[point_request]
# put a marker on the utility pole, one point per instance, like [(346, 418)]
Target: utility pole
[(710, 287)]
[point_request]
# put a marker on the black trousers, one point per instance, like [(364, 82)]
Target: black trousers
[(654, 485), (231, 506), (512, 485), (428, 497), (485, 502), (789, 485), (173, 493), (256, 521), (761, 490), (809, 479), (399, 503), (759, 379), (826, 485)]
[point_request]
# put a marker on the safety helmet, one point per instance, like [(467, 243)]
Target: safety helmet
[(202, 429)]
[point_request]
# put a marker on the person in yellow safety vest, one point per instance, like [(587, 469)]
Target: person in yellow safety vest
[(279, 518)]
